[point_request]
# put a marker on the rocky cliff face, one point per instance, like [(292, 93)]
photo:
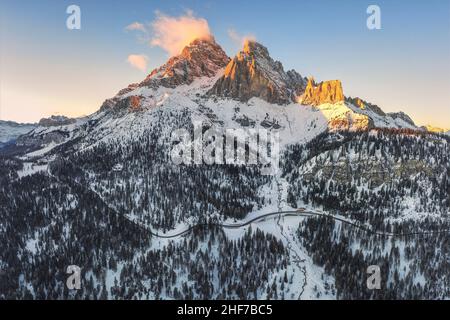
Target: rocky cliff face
[(54, 121), (364, 105), (297, 82), (324, 92), (202, 57), (253, 73), (130, 103)]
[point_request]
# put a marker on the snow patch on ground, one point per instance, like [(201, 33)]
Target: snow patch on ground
[(30, 168)]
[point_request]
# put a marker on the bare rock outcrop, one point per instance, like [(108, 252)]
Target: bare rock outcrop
[(253, 73), (129, 103), (202, 57), (350, 122), (324, 92), (54, 121)]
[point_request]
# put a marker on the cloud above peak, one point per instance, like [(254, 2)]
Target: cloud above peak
[(136, 26), (138, 61), (240, 39), (173, 33)]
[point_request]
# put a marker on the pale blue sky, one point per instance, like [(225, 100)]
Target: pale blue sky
[(46, 68)]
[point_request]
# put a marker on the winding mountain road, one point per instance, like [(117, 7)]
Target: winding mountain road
[(267, 215), (294, 213)]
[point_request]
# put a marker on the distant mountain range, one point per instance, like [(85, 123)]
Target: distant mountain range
[(10, 130)]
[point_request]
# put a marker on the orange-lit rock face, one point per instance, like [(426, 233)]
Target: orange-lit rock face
[(131, 103), (135, 102), (325, 92), (360, 103), (253, 73), (356, 122)]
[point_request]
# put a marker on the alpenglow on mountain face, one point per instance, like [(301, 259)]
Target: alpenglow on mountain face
[(324, 92), (356, 187), (201, 58), (253, 73)]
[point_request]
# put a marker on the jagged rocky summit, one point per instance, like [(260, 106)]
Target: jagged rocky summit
[(202, 57), (324, 92), (253, 73)]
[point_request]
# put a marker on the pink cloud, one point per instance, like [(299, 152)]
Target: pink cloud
[(135, 26), (173, 33), (240, 39), (138, 61)]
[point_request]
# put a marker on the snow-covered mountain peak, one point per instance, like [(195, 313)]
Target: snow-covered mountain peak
[(251, 90), (202, 46), (255, 48), (202, 57), (402, 117), (364, 105)]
